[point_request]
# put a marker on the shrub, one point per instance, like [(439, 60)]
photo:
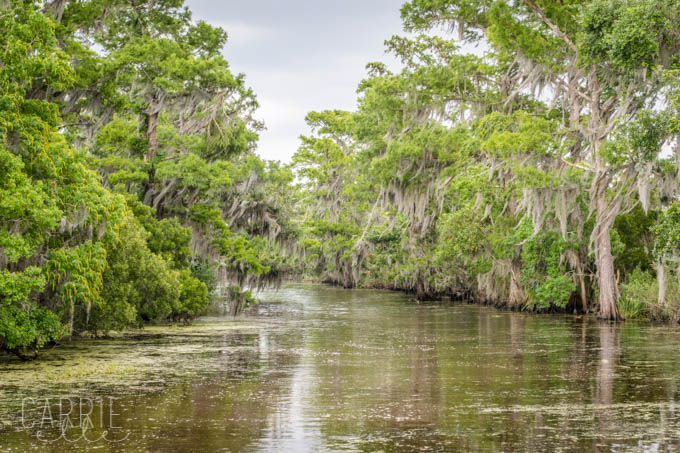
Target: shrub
[(639, 296)]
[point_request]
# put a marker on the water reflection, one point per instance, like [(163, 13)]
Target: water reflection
[(323, 369)]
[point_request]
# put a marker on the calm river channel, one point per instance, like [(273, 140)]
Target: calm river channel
[(316, 368)]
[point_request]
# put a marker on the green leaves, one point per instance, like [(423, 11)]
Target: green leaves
[(29, 52), (75, 274), (26, 209), (53, 211), (195, 173), (630, 35), (667, 233), (138, 97), (16, 287), (641, 140), (545, 276)]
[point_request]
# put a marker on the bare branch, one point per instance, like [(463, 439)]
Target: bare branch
[(568, 86), (571, 164)]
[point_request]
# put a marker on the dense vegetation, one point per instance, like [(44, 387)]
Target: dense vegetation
[(129, 189), (526, 155)]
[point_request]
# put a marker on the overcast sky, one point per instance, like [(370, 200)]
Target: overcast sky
[(301, 55)]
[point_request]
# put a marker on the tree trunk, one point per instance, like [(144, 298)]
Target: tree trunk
[(603, 218), (661, 279), (347, 280), (517, 298), (420, 290), (152, 144), (151, 135), (605, 264), (423, 293), (56, 7)]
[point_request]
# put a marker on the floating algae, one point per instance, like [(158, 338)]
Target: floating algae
[(160, 354), (321, 369)]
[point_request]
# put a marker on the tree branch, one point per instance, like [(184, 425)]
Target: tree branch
[(552, 26), (568, 86), (576, 165)]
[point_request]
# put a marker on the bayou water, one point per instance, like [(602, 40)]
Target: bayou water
[(316, 368)]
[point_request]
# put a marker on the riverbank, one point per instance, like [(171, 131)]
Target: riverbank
[(638, 301)]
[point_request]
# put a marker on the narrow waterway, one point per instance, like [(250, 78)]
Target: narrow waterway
[(315, 368)]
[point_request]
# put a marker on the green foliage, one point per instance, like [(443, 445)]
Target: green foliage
[(138, 285), (544, 274), (506, 175), (462, 241), (624, 33), (239, 298), (667, 233), (635, 231), (53, 211), (193, 297), (640, 141), (24, 325), (638, 293), (75, 275), (125, 143), (141, 285), (639, 296), (130, 191)]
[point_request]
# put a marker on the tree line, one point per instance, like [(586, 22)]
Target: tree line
[(526, 155), (129, 187)]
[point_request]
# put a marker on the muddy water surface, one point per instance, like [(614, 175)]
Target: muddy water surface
[(314, 368)]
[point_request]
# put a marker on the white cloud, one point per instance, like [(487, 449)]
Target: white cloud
[(242, 34), (300, 56)]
